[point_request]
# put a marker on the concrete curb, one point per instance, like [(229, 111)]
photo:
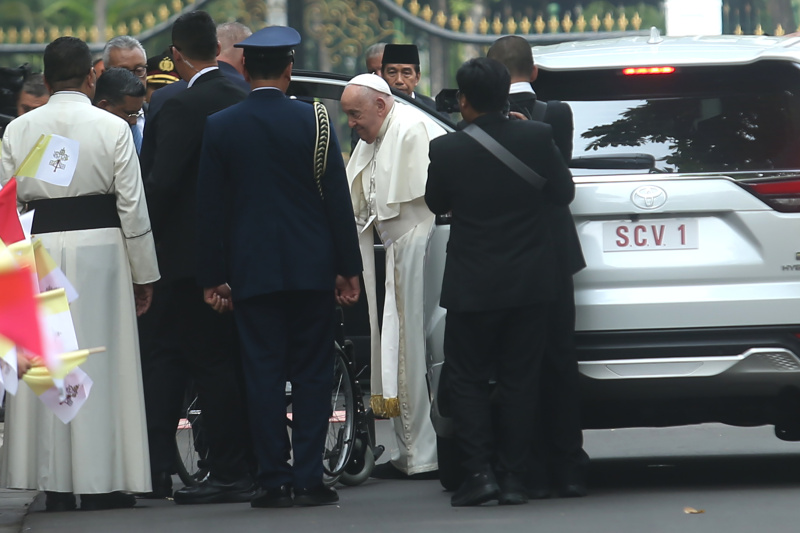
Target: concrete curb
[(14, 505)]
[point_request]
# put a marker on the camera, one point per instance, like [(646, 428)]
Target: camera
[(447, 101)]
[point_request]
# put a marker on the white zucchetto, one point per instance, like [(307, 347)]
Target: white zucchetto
[(372, 81)]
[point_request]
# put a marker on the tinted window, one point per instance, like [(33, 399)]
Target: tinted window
[(695, 120)]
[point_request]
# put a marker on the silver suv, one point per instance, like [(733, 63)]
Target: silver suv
[(686, 162)]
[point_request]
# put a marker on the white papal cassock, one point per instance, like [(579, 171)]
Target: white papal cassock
[(104, 448), (387, 185)]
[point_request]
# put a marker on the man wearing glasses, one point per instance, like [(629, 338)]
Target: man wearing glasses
[(120, 93), (126, 52)]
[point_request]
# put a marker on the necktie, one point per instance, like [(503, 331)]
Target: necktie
[(137, 137)]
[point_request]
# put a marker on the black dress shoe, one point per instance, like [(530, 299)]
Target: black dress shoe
[(58, 502), (274, 497), (477, 488), (213, 490), (512, 491), (538, 492), (571, 482), (109, 500), (320, 495), (389, 471), (572, 490), (162, 487)]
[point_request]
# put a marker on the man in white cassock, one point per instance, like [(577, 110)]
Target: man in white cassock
[(387, 174), (91, 215)]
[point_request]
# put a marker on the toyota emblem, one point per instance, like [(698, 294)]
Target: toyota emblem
[(649, 197)]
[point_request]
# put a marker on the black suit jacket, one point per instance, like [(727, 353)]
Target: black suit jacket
[(559, 116), (171, 183), (149, 139), (501, 252), (265, 226), (232, 74)]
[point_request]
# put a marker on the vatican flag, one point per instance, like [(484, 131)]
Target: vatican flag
[(59, 330), (53, 159), (49, 275), (8, 366)]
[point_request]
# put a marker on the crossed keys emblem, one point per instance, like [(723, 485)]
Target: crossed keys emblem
[(72, 392), (58, 162)]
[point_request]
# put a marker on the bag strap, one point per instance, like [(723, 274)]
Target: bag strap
[(507, 158), (539, 110), (323, 141)]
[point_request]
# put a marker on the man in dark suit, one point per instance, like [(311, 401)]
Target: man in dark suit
[(558, 462), (190, 337), (230, 57), (400, 69), (499, 281), (280, 243)]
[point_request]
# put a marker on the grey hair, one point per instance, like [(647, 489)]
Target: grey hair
[(230, 33), (375, 49), (121, 42)]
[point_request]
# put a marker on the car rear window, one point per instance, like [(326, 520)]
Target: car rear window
[(696, 119)]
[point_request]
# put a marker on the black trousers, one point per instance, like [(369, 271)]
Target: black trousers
[(288, 336), (558, 438), (493, 427), (185, 339)]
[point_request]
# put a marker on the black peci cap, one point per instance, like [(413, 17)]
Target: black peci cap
[(406, 54)]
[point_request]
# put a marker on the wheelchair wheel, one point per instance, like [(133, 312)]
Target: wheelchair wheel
[(341, 425), (192, 448), (362, 462)]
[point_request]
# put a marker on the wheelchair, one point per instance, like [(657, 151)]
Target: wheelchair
[(350, 451)]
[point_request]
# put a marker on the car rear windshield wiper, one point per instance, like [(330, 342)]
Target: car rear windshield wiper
[(616, 161)]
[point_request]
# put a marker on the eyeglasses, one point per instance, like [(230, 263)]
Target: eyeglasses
[(140, 72)]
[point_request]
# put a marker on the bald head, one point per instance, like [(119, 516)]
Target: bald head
[(366, 109), (228, 34), (515, 53)]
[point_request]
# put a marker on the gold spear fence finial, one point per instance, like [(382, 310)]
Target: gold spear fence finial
[(581, 23), (539, 24), (553, 24), (566, 23), (455, 22), (497, 25), (511, 26)]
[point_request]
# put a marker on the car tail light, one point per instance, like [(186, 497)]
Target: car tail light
[(637, 71), (781, 195)]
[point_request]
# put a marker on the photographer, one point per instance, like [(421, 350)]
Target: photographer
[(500, 278)]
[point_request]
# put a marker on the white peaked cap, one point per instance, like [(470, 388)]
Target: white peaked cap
[(373, 81)]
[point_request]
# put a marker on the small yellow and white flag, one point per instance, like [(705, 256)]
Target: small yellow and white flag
[(53, 159), (39, 378), (50, 276), (8, 366), (66, 396), (59, 330)]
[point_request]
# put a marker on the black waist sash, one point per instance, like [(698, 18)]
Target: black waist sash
[(74, 213)]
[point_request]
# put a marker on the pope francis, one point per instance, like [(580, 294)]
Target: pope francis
[(387, 174)]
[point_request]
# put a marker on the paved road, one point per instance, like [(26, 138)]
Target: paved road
[(745, 480)]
